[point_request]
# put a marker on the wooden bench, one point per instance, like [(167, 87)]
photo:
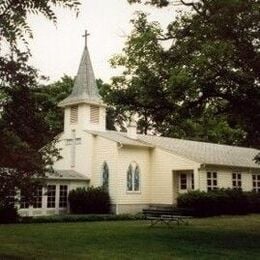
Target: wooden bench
[(165, 216)]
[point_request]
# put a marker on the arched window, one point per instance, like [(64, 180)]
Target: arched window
[(105, 176), (133, 177)]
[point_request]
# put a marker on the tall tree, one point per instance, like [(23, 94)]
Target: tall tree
[(48, 97), (148, 89), (24, 149), (213, 62)]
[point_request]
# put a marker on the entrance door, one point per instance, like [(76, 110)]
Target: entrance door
[(185, 181)]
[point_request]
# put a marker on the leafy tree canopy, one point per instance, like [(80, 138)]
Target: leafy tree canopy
[(207, 79), (25, 149), (48, 97)]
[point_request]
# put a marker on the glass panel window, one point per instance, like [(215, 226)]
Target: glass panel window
[(212, 181), (51, 196), (105, 176), (136, 179), (11, 197), (37, 198), (236, 180), (256, 182), (63, 201), (192, 181), (183, 181), (130, 178), (133, 177), (24, 204)]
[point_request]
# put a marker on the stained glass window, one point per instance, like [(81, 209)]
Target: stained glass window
[(130, 178), (133, 177), (136, 179), (105, 176)]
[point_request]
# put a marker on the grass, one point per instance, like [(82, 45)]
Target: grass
[(211, 238)]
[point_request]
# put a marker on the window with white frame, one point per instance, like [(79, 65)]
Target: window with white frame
[(183, 181), (74, 114), (212, 181), (105, 176), (133, 177), (256, 182), (192, 181), (51, 196), (186, 181), (236, 180), (63, 200), (11, 198), (37, 198), (24, 203)]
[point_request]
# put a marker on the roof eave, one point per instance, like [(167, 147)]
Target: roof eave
[(67, 178), (77, 102), (230, 166)]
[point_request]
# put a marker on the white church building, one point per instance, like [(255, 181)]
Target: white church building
[(138, 170)]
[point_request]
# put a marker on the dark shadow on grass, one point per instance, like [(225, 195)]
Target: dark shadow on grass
[(11, 257)]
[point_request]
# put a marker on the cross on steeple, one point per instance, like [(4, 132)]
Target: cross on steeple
[(86, 37)]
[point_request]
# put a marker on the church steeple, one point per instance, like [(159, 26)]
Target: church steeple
[(84, 108), (85, 88)]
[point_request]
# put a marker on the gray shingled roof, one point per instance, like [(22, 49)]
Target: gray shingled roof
[(85, 88), (206, 153), (120, 137), (66, 175), (201, 152)]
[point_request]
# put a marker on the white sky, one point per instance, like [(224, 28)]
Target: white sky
[(56, 50)]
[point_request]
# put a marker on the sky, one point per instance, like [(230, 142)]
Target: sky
[(56, 50)]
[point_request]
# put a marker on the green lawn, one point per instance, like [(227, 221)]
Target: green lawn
[(212, 238)]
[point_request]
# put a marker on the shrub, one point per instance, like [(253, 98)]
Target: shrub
[(80, 218), (8, 214), (89, 201), (254, 201), (217, 202)]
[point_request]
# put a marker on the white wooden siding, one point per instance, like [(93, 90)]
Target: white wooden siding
[(225, 177), (105, 150), (141, 156), (163, 164)]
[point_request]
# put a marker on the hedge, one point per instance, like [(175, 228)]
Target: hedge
[(218, 202), (89, 201), (8, 214), (80, 218)]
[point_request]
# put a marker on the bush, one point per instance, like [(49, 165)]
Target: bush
[(90, 201), (80, 218), (8, 214), (254, 201), (217, 202)]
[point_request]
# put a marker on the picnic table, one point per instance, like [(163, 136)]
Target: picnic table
[(165, 216)]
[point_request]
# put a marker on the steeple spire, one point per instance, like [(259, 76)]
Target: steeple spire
[(85, 88)]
